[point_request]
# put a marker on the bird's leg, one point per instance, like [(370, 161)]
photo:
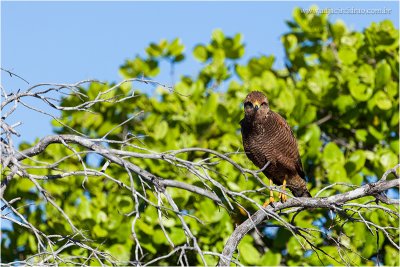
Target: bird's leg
[(271, 196), (282, 196)]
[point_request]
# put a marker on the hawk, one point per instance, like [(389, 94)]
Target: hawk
[(268, 138)]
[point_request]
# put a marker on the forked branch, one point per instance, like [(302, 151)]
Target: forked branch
[(333, 202)]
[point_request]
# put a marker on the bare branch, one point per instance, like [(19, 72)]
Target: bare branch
[(372, 189)]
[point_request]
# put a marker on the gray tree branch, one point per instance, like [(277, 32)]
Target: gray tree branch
[(332, 202), (110, 154)]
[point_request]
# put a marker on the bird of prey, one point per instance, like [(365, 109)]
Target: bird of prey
[(268, 138)]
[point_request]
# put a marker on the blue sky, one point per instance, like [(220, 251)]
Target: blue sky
[(66, 42)]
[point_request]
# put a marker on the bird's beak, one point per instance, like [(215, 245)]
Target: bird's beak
[(256, 105)]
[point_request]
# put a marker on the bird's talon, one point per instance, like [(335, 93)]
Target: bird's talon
[(271, 199), (282, 197), (272, 204), (269, 202)]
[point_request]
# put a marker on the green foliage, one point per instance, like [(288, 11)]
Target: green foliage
[(339, 92)]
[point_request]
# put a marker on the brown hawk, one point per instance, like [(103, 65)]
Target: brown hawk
[(267, 137)]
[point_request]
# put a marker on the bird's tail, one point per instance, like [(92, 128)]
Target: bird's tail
[(298, 186), (305, 193)]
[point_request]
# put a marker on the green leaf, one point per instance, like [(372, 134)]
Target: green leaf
[(209, 211), (159, 237), (154, 50), (218, 57), (375, 133), (332, 154), (200, 53), (360, 91), (344, 103), (211, 260), (383, 74), (222, 115), (394, 145), (99, 232), (237, 39), (218, 36), (286, 101), (319, 82), (32, 243), (391, 256), (388, 160), (349, 40), (270, 259), (282, 237), (233, 186), (338, 29), (361, 135), (168, 222), (355, 162), (290, 42), (120, 252), (160, 130), (84, 209), (177, 236), (125, 204), (145, 227), (22, 239), (357, 179), (243, 72), (330, 256), (392, 89), (24, 185), (210, 106), (269, 80), (366, 74), (382, 100), (294, 248), (394, 121), (101, 216), (175, 48), (249, 254), (179, 58), (347, 55), (309, 115), (337, 173)]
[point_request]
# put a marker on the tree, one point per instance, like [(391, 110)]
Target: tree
[(157, 179)]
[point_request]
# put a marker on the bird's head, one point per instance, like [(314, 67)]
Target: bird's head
[(256, 104)]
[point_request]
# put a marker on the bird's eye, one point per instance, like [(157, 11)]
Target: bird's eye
[(264, 104), (248, 105)]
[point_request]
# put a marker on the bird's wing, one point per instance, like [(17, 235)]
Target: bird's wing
[(299, 169), (288, 140)]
